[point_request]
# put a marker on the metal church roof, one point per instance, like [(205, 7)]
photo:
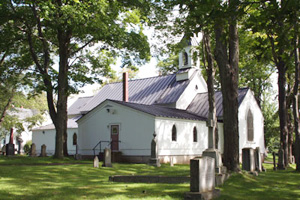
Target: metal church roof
[(74, 109), (147, 91), (161, 111), (200, 106), (71, 124)]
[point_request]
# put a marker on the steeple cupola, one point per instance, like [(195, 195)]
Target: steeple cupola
[(188, 58)]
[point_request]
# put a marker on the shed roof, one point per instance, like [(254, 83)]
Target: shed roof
[(71, 124), (200, 106), (147, 91)]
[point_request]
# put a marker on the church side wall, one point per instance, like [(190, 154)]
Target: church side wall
[(135, 130), (249, 103), (184, 148), (47, 137)]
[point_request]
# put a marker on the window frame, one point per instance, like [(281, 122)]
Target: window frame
[(174, 133)]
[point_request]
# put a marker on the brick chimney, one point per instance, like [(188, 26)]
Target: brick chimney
[(125, 86)]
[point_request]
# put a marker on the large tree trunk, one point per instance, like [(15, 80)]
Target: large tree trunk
[(283, 113), (62, 116), (295, 105), (228, 66), (210, 70)]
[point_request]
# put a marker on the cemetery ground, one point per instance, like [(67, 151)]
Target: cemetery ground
[(46, 178)]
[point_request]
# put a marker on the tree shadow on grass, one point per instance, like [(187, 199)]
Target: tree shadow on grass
[(270, 185), (82, 182)]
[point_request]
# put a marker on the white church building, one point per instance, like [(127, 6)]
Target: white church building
[(124, 116)]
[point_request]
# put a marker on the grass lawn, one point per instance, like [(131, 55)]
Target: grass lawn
[(27, 178)]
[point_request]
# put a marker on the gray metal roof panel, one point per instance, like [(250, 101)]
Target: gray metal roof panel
[(200, 106), (74, 109), (148, 91), (161, 111), (71, 124)]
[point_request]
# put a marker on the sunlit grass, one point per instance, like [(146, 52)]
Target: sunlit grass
[(21, 178)]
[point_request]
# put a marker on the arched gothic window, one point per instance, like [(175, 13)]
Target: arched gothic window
[(250, 132), (174, 133), (195, 135), (74, 139), (185, 58)]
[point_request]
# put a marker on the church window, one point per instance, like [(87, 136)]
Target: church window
[(195, 135), (74, 139), (174, 133), (250, 132), (185, 58)]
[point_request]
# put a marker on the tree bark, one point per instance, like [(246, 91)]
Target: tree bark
[(295, 104), (283, 112), (3, 114), (63, 37), (210, 70), (228, 66)]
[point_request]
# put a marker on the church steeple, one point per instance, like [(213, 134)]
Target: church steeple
[(188, 58)]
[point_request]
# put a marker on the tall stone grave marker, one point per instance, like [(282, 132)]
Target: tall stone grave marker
[(96, 162), (107, 158), (212, 151), (33, 150), (248, 159), (281, 164), (202, 184), (154, 160), (258, 165), (43, 151), (10, 147)]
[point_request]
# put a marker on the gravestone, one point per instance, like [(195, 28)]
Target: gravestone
[(212, 151), (107, 158), (248, 159), (154, 160), (96, 162), (171, 161), (43, 151), (280, 164), (10, 147), (77, 155), (33, 150), (202, 182), (258, 164)]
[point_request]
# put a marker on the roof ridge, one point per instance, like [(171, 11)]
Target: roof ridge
[(138, 79)]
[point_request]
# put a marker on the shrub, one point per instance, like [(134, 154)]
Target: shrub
[(27, 147)]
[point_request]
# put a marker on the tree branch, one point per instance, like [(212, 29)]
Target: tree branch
[(3, 114)]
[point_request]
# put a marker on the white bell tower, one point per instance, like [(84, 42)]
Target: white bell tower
[(188, 59)]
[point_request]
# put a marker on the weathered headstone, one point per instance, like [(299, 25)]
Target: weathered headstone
[(202, 182), (43, 151), (258, 164), (154, 160), (33, 150), (202, 174), (77, 156), (248, 159), (96, 162), (280, 164), (107, 158), (171, 161), (10, 147), (212, 151)]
